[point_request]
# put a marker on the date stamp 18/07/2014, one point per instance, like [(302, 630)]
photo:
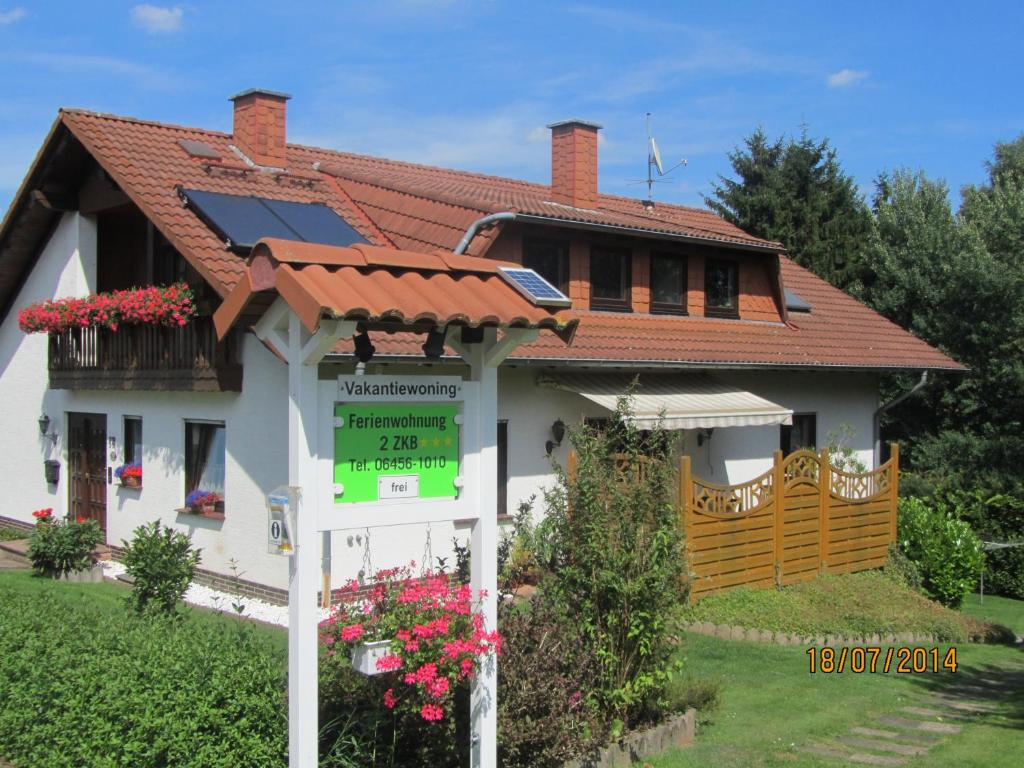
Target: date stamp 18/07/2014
[(902, 660)]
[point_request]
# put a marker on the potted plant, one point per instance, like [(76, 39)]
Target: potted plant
[(130, 475), (205, 503), (423, 631)]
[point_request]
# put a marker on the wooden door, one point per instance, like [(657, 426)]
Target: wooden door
[(87, 466)]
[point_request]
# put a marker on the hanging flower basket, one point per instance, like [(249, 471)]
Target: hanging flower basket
[(366, 655), (423, 633), (170, 306)]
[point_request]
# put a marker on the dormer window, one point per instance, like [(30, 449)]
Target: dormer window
[(549, 259), (610, 278), (721, 288), (668, 284)]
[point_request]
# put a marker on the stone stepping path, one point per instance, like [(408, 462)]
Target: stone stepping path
[(896, 739)]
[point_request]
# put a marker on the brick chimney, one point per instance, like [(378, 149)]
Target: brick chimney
[(259, 129), (574, 163)]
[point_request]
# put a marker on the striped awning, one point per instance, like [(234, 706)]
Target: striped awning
[(680, 401)]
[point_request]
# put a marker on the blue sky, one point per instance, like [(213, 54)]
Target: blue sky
[(472, 84)]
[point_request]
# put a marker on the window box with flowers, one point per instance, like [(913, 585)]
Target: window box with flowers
[(422, 631), (170, 306), (129, 475), (204, 504)]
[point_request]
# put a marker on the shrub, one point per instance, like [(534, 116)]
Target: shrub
[(546, 678), (902, 569), (944, 548), (998, 517), (57, 547), (162, 563), (619, 561), (83, 685)]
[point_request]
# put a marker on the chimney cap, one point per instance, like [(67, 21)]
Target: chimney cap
[(261, 92), (576, 121)]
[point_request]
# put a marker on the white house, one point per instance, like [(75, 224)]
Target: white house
[(744, 350)]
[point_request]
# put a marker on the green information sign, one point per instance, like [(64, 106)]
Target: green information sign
[(395, 451)]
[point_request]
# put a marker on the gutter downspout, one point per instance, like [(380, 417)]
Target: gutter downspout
[(877, 423), (482, 223)]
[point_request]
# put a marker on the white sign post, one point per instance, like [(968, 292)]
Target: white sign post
[(317, 503)]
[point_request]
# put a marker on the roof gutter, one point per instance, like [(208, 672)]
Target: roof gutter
[(648, 233), (877, 423), (482, 223)]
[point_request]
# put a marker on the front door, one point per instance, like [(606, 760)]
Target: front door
[(87, 467)]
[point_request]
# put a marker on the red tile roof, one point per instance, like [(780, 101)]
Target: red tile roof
[(838, 332), (382, 287), (422, 209)]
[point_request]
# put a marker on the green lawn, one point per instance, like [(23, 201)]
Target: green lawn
[(1001, 610), (770, 703)]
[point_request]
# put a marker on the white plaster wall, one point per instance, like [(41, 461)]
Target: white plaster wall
[(738, 454), (66, 267)]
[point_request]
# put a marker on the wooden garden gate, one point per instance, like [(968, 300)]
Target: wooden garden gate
[(801, 518)]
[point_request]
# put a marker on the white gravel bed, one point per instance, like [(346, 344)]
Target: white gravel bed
[(206, 597)]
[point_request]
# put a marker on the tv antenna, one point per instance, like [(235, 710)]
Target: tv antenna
[(654, 162)]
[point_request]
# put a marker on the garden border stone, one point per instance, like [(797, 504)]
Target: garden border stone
[(679, 731), (769, 637)]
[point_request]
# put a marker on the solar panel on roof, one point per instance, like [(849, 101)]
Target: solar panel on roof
[(241, 221), (534, 287), (315, 222)]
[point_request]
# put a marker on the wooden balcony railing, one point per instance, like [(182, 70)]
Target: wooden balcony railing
[(189, 358)]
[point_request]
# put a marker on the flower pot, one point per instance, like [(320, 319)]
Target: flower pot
[(131, 482), (365, 656)]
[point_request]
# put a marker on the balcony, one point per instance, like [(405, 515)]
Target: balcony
[(146, 357)]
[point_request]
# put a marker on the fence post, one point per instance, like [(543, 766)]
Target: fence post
[(684, 501), (825, 492), (894, 488), (779, 514)]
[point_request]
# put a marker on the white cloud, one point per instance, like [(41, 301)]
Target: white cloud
[(157, 19), (844, 78), (84, 65), (11, 16)]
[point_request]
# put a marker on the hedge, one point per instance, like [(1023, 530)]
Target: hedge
[(81, 686)]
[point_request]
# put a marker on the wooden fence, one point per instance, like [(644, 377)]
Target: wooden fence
[(801, 518)]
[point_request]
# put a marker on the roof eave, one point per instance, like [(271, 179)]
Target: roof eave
[(656, 234)]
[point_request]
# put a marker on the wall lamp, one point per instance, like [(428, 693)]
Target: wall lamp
[(433, 347), (704, 436), (44, 426), (363, 347), (557, 433)]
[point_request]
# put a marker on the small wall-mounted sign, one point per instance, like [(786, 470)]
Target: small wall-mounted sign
[(398, 487), (280, 506)]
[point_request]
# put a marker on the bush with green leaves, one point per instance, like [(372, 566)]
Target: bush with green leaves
[(548, 673), (162, 563), (86, 685), (57, 547), (619, 564), (945, 550), (998, 518)]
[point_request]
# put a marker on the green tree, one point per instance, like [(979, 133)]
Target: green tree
[(932, 274), (796, 192)]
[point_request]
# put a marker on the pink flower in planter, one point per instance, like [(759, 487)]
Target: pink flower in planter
[(351, 632), (432, 712), (389, 699), (389, 663)]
